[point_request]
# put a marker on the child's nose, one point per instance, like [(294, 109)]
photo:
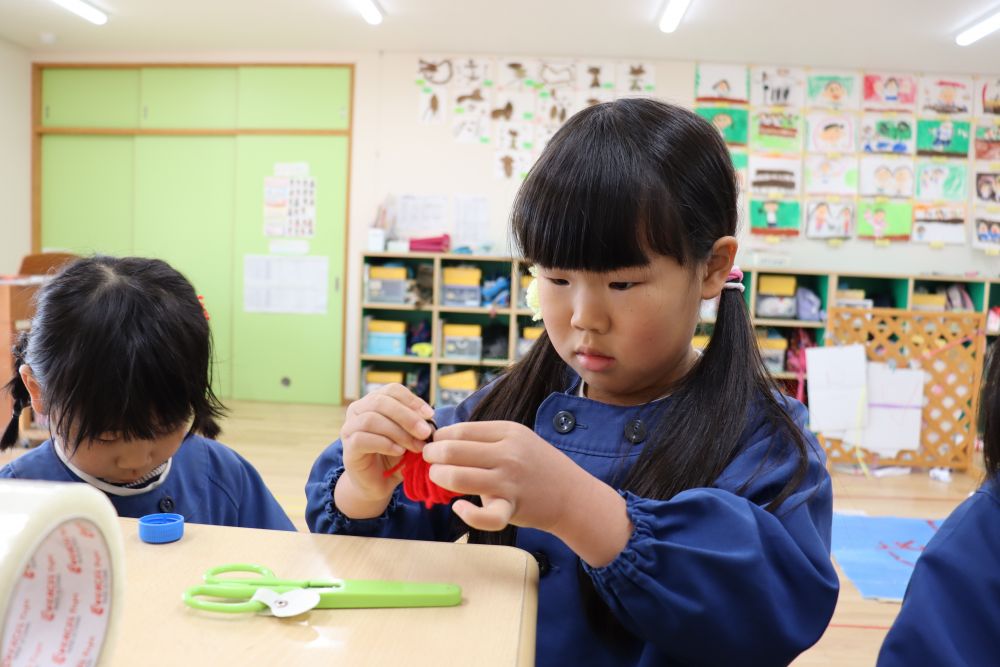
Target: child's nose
[(589, 314)]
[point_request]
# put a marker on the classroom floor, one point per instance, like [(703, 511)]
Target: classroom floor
[(282, 441)]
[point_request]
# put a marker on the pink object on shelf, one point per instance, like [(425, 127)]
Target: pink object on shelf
[(431, 244)]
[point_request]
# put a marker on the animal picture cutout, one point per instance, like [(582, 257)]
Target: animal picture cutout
[(987, 185), (515, 137), (511, 165), (889, 92), (986, 230), (775, 176), (888, 133), (470, 113), (948, 138), (833, 90), (946, 95), (776, 131), (517, 74), (777, 86), (886, 176), (513, 107), (987, 146), (775, 217), (556, 74), (555, 105), (473, 72), (433, 78), (884, 220), (831, 175), (829, 219), (636, 78), (731, 122), (830, 132), (986, 94), (939, 224), (714, 83), (595, 76), (942, 181)]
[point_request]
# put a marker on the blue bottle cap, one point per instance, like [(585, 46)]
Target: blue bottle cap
[(161, 528)]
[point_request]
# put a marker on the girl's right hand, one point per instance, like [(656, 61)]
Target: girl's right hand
[(377, 431)]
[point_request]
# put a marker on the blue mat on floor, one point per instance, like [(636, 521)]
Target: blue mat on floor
[(877, 553)]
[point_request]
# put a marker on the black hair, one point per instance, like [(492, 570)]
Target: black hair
[(990, 408), (618, 182), (117, 346)]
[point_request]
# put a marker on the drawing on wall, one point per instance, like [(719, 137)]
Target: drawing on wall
[(470, 114), (472, 72), (829, 218), (741, 165), (888, 220), (986, 230), (290, 201), (889, 92), (830, 175), (595, 76), (509, 164), (775, 175), (987, 141), (986, 92), (886, 176), (775, 217), (556, 74), (934, 223), (433, 77), (513, 107), (987, 185), (636, 78), (887, 133), (940, 180), (949, 95), (731, 122), (722, 83), (833, 90), (829, 132), (555, 105), (517, 74), (949, 138), (776, 131), (777, 86)]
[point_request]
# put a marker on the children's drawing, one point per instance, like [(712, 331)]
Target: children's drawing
[(987, 186), (777, 86), (775, 175), (987, 141), (433, 77), (886, 176), (470, 114), (595, 75), (887, 133), (775, 217), (829, 132), (636, 78), (435, 71), (722, 83), (555, 105), (940, 181), (986, 92), (517, 74), (986, 230), (829, 218), (430, 105), (776, 131), (741, 165), (889, 92), (513, 107), (831, 175), (949, 138), (731, 122), (474, 72), (515, 137), (934, 223), (884, 220), (951, 95), (833, 90), (510, 165)]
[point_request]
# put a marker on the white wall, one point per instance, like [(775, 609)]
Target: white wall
[(15, 156)]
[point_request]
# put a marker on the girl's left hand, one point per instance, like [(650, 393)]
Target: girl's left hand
[(522, 479)]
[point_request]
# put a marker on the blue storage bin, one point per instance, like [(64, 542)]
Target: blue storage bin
[(391, 344)]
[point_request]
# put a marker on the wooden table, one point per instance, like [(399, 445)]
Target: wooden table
[(494, 625)]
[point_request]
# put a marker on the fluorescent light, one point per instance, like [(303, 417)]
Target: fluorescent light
[(673, 14), (369, 11), (978, 31), (84, 11)]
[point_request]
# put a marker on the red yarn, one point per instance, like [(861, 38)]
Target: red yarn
[(417, 484)]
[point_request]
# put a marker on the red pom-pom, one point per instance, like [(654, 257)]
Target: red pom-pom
[(417, 484)]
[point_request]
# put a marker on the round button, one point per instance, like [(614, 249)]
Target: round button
[(167, 505), (544, 564), (563, 422), (635, 431)]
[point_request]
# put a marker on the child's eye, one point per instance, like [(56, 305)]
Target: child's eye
[(558, 281), (622, 286)]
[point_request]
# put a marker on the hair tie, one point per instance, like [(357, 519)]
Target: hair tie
[(735, 279)]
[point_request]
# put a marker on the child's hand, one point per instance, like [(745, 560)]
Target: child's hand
[(376, 432)]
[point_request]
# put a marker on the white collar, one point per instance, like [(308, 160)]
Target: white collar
[(113, 489)]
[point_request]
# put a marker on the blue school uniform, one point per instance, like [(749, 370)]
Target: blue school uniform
[(951, 610), (207, 483), (708, 577)]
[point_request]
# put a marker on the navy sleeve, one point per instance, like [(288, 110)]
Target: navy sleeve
[(951, 610), (256, 506), (7, 472), (711, 554)]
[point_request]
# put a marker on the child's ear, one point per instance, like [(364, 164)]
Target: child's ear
[(34, 389), (718, 266)]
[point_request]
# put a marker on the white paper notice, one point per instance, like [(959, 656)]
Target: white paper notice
[(421, 215), (472, 220), (837, 388), (285, 284), (895, 408)]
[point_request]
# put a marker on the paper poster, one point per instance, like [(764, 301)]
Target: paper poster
[(987, 184), (833, 90), (986, 93), (895, 408), (513, 107), (290, 202), (889, 92), (948, 138), (987, 141), (837, 384), (777, 86), (722, 83), (775, 175), (939, 224), (421, 215), (830, 132), (515, 137), (831, 175), (942, 181), (517, 74), (510, 165), (636, 78), (886, 176), (946, 95), (434, 74), (596, 77), (285, 284), (986, 230), (470, 106), (884, 220), (776, 131), (474, 72), (775, 217), (888, 133), (830, 218), (555, 105), (556, 74), (472, 220), (731, 122), (741, 163)]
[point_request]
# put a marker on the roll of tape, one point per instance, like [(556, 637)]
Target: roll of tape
[(61, 574)]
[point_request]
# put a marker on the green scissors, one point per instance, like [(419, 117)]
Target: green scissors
[(263, 590)]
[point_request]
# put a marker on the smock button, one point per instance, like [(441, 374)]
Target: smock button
[(635, 431), (544, 564), (167, 505), (563, 422)]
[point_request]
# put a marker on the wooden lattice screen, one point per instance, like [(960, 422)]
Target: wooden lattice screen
[(950, 348)]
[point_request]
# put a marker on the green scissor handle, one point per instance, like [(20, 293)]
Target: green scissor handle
[(265, 577), (374, 593)]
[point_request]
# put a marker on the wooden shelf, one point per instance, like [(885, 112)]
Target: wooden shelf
[(407, 358), (788, 324), (458, 361), (392, 306), (478, 310)]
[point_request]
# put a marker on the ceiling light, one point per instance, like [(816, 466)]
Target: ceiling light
[(84, 11), (673, 14), (369, 11), (978, 31)]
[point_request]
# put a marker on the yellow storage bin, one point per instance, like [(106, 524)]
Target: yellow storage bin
[(777, 285)]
